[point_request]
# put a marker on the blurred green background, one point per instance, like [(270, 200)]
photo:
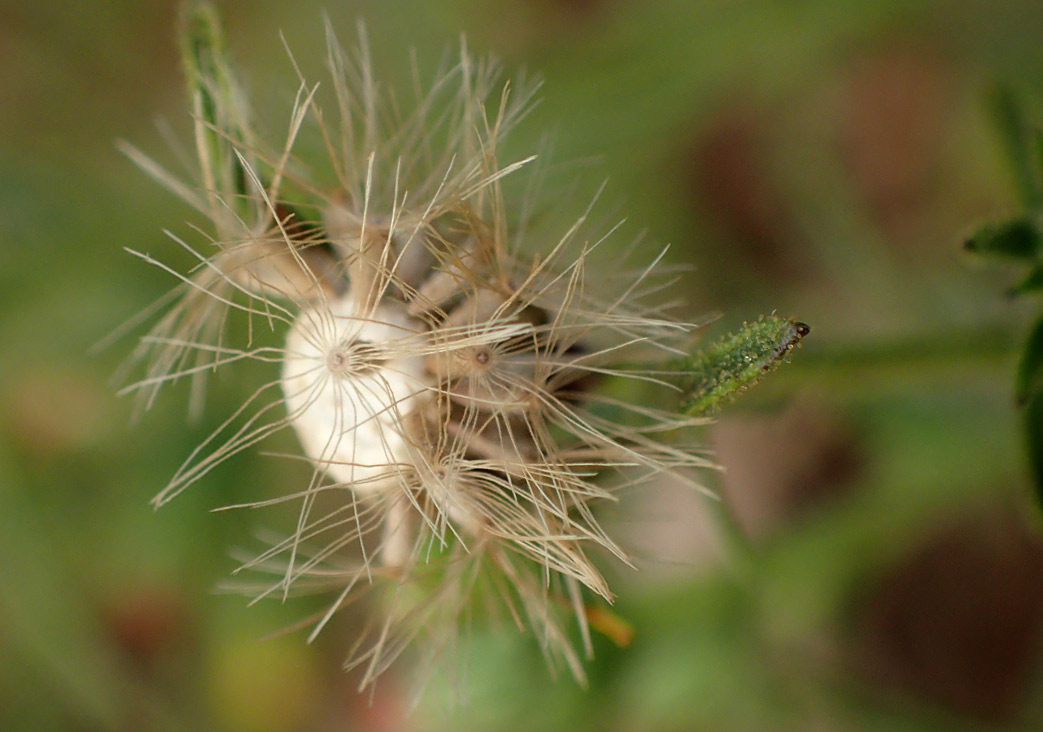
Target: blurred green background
[(883, 568)]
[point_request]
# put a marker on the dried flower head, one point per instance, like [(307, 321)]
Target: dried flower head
[(447, 387)]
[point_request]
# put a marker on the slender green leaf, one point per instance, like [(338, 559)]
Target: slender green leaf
[(1030, 283), (1018, 140), (1034, 433), (1029, 378), (1015, 239)]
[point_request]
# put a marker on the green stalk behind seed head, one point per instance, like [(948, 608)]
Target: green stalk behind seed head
[(718, 374), (218, 105)]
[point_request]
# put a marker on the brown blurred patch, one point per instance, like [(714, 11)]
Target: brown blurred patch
[(146, 622), (523, 28), (49, 412), (729, 173), (779, 467), (386, 710), (669, 530), (68, 78), (959, 621), (894, 108)]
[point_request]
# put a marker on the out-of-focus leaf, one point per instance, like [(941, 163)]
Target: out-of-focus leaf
[(1032, 282), (736, 362), (1020, 143), (1034, 433), (1030, 369), (1015, 239)]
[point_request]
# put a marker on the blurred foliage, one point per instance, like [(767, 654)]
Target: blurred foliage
[(1019, 240), (870, 565)]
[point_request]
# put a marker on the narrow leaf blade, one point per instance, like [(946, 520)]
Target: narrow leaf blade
[(1017, 138), (1029, 378), (1018, 239)]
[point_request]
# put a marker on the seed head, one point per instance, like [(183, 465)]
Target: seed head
[(445, 369)]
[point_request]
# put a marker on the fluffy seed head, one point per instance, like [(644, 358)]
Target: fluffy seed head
[(452, 375)]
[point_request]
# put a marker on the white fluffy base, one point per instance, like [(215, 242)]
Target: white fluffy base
[(350, 421)]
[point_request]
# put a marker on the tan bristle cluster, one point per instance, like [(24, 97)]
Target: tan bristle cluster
[(446, 386)]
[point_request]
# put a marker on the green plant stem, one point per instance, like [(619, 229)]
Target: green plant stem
[(908, 359)]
